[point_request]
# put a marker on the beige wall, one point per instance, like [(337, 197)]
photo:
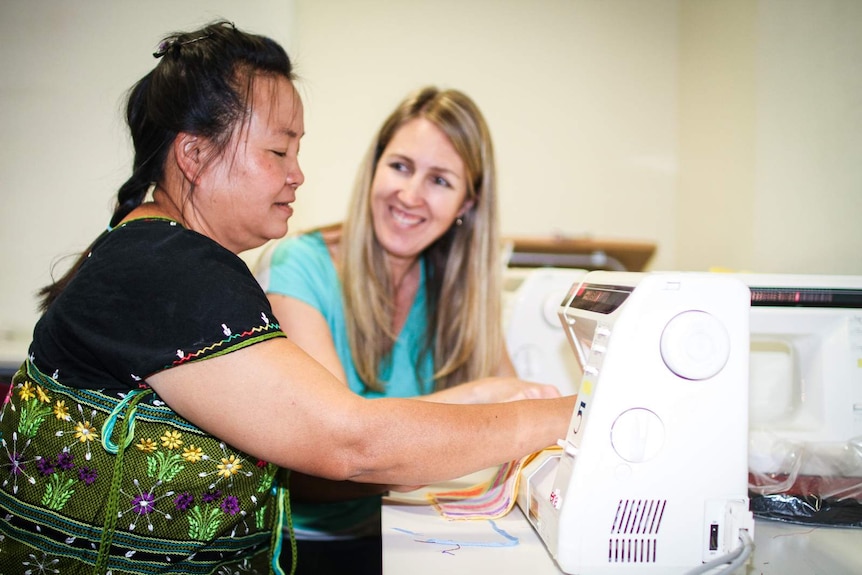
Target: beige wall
[(728, 131), (770, 136), (581, 98)]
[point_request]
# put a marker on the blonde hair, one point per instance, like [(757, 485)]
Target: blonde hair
[(463, 267)]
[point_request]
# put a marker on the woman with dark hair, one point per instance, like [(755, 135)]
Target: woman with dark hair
[(160, 400)]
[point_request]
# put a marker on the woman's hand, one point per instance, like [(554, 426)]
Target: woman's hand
[(494, 390)]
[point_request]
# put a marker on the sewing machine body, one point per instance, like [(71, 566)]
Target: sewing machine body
[(652, 476)]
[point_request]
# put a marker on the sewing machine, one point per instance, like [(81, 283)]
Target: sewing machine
[(806, 393), (535, 338), (652, 475)]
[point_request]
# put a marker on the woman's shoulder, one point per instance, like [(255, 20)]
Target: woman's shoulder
[(317, 244)]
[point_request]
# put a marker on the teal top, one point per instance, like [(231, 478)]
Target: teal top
[(302, 268)]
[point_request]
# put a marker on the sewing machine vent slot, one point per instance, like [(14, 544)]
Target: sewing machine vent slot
[(640, 520)]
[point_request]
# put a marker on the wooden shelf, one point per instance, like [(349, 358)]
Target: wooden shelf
[(589, 253)]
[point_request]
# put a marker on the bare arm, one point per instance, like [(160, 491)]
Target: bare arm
[(275, 402), (306, 327), (504, 387)]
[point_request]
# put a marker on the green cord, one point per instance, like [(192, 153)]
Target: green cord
[(114, 496), (282, 510)]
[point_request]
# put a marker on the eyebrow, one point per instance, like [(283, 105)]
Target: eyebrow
[(291, 133)]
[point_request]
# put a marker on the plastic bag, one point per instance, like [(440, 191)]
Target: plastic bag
[(810, 483)]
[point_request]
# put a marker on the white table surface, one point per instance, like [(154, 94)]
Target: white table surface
[(408, 522)]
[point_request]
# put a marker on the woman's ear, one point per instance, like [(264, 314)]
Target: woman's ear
[(466, 207), (188, 153)]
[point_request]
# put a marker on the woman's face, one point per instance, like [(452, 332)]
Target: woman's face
[(419, 189), (243, 199)]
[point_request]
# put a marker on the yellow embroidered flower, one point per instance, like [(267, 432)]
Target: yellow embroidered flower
[(43, 397), (171, 439), (61, 411), (147, 445), (192, 454), (26, 391), (229, 466), (85, 432)]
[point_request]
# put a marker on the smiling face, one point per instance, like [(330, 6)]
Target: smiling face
[(244, 198), (419, 189)]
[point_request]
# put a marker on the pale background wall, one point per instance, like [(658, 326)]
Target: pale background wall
[(728, 131)]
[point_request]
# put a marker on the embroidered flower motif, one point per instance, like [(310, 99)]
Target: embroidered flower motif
[(44, 465), (43, 564), (147, 445), (192, 454), (40, 393), (87, 475), (229, 466), (211, 496), (26, 392), (85, 432), (64, 461), (61, 411), (143, 503), (171, 439), (184, 501), (16, 461), (230, 505)]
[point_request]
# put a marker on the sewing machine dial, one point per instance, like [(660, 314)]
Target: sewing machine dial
[(695, 345)]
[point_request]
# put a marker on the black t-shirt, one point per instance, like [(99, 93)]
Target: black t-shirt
[(151, 295)]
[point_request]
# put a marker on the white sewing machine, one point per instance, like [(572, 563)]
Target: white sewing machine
[(652, 476), (535, 338), (806, 381)]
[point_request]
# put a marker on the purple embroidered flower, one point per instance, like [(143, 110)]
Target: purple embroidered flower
[(143, 503), (64, 460), (17, 465), (211, 496), (87, 475), (230, 505), (45, 465), (183, 501)]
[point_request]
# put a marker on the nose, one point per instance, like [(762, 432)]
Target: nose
[(410, 193), (295, 177)]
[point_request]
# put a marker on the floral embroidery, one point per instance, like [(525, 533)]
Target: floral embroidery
[(147, 445), (87, 475), (171, 439), (157, 495), (60, 410), (192, 454), (85, 432), (230, 505), (184, 501), (26, 392), (229, 466)]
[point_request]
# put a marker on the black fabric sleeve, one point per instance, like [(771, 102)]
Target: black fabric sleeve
[(151, 296)]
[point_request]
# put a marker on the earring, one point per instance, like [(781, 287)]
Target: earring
[(458, 221)]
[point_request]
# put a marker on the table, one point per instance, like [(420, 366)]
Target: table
[(408, 522)]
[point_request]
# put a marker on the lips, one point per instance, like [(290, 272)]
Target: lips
[(403, 218), (285, 206)]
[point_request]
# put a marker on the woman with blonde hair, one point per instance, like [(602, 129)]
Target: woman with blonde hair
[(402, 300)]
